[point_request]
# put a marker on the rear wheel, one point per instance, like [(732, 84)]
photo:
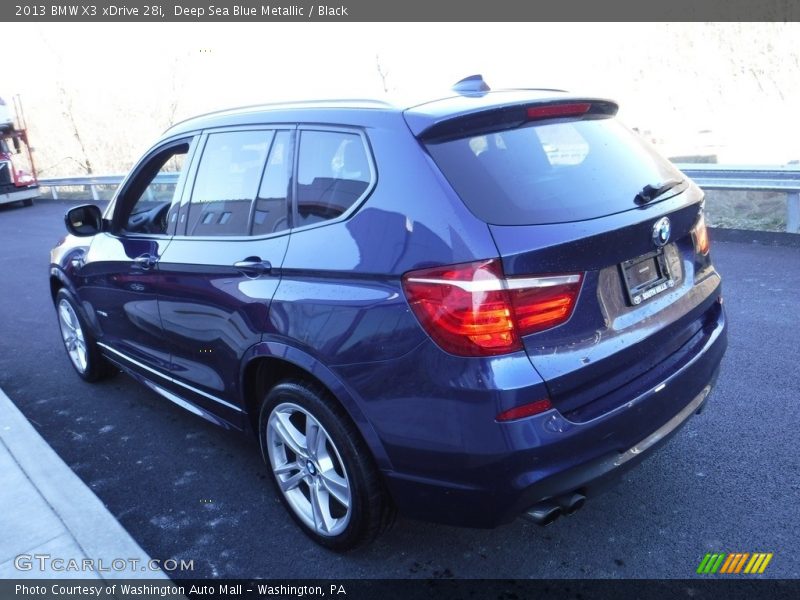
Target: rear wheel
[(322, 469), (84, 355)]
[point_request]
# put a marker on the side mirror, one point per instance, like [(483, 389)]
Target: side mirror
[(84, 220)]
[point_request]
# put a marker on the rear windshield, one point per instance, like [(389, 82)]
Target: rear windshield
[(551, 173)]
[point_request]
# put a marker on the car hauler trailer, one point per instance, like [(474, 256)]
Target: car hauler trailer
[(18, 181)]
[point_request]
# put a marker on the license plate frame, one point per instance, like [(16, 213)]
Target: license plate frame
[(646, 276)]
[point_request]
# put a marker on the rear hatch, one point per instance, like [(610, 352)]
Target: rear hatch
[(567, 190)]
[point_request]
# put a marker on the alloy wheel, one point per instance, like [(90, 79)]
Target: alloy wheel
[(72, 333), (309, 469)]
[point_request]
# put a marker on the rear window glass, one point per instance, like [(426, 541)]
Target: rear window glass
[(551, 173), (333, 173)]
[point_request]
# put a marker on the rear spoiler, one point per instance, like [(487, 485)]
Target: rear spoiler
[(507, 116)]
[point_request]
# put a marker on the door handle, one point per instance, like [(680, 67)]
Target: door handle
[(253, 265), (145, 261)]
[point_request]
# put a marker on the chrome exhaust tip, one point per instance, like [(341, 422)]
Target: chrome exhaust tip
[(543, 513), (571, 503)]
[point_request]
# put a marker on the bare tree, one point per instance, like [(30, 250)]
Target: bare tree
[(383, 74), (69, 113), (68, 110), (177, 77)]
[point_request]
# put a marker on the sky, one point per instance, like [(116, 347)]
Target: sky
[(121, 84)]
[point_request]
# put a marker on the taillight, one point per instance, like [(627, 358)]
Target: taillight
[(473, 310), (700, 236), (543, 302)]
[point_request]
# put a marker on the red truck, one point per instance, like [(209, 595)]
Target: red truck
[(18, 181)]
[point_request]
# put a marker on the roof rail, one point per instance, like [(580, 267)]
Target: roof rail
[(327, 103)]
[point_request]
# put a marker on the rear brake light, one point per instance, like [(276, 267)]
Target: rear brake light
[(543, 302), (473, 310), (526, 410), (574, 109), (700, 235)]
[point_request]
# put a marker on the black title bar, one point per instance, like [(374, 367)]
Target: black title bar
[(729, 588), (266, 11)]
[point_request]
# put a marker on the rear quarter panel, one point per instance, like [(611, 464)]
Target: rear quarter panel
[(340, 296)]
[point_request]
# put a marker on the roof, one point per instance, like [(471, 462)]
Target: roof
[(274, 112), (421, 114)]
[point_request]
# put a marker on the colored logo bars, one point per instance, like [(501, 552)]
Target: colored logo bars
[(735, 562)]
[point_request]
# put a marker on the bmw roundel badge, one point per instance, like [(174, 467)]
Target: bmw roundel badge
[(661, 231)]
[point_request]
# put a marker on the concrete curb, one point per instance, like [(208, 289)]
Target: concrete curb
[(46, 508)]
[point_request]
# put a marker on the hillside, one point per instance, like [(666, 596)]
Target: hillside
[(97, 95)]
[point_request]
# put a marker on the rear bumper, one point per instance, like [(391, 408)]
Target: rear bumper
[(548, 455), (592, 477)]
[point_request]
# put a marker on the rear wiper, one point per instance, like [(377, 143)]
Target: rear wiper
[(651, 192)]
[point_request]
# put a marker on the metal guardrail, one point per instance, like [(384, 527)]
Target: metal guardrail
[(708, 176), (752, 178), (95, 181), (744, 177)]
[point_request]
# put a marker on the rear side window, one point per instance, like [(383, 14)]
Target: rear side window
[(271, 211), (227, 182), (333, 174), (551, 172)]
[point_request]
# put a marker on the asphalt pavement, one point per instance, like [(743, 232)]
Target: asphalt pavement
[(184, 489)]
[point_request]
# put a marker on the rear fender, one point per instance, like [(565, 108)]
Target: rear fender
[(308, 363)]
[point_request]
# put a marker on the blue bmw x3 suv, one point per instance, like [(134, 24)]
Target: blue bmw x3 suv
[(466, 310)]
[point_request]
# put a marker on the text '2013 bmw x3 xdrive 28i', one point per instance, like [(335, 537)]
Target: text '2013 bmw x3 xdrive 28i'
[(470, 309)]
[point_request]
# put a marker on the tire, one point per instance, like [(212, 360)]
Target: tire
[(333, 491), (81, 347), (27, 202)]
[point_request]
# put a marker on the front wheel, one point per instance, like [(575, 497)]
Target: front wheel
[(321, 467), (80, 344)]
